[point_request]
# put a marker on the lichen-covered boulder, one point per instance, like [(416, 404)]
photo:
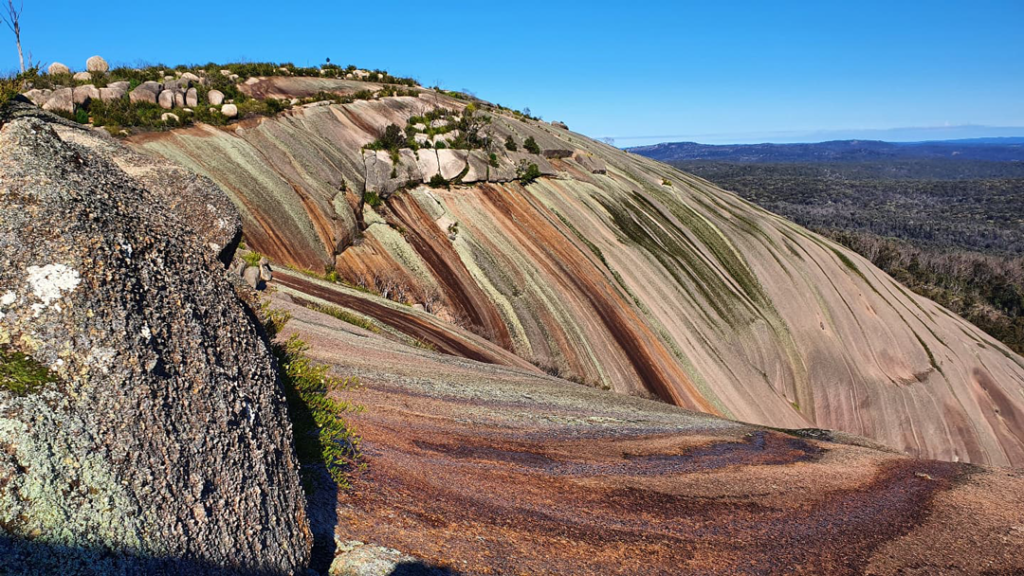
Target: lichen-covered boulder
[(229, 110), (96, 64), (111, 93), (158, 442), (146, 92), (215, 97), (60, 100), (58, 68), (166, 99), (85, 94), (38, 96)]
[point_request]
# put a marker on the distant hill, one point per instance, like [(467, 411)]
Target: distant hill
[(986, 149)]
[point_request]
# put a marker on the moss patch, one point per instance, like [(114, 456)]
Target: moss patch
[(21, 375)]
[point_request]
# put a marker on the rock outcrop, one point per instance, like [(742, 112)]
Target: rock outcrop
[(96, 64), (58, 68), (161, 443), (148, 91), (510, 471), (60, 100), (601, 272)]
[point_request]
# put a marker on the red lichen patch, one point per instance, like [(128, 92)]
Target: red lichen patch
[(482, 500), (492, 470)]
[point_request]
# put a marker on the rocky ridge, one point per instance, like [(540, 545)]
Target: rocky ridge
[(610, 269)]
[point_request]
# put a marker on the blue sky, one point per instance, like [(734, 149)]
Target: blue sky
[(640, 72)]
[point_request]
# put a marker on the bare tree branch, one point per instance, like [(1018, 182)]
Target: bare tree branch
[(12, 18)]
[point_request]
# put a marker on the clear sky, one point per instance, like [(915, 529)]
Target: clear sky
[(642, 72)]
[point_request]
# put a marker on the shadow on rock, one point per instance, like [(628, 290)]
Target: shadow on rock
[(22, 557), (420, 569)]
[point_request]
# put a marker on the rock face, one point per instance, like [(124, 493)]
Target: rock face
[(96, 64), (60, 100), (166, 99), (111, 93), (163, 445), (684, 493), (146, 92), (58, 68), (39, 97), (605, 274), (84, 94)]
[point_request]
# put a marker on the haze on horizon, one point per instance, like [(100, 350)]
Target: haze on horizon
[(639, 73)]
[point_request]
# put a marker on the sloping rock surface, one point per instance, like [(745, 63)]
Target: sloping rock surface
[(620, 272), (162, 445), (483, 469)]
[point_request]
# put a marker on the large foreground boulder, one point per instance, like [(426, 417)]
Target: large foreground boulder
[(158, 442)]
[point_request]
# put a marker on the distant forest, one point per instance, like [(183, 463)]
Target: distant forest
[(951, 229)]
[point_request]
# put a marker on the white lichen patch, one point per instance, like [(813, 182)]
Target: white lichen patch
[(50, 281), (101, 358), (8, 299)]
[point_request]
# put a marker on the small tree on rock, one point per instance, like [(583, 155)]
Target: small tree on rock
[(531, 146)]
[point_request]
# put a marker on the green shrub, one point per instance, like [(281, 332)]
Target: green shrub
[(321, 433), (438, 181), (274, 105), (389, 138), (530, 145), (493, 160), (371, 198), (528, 173), (9, 88), (346, 316), (510, 144), (252, 258)]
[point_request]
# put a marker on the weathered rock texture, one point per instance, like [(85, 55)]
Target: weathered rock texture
[(96, 64), (163, 446), (58, 68), (604, 274), (498, 470)]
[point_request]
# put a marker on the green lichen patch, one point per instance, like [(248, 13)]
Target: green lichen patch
[(21, 375)]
